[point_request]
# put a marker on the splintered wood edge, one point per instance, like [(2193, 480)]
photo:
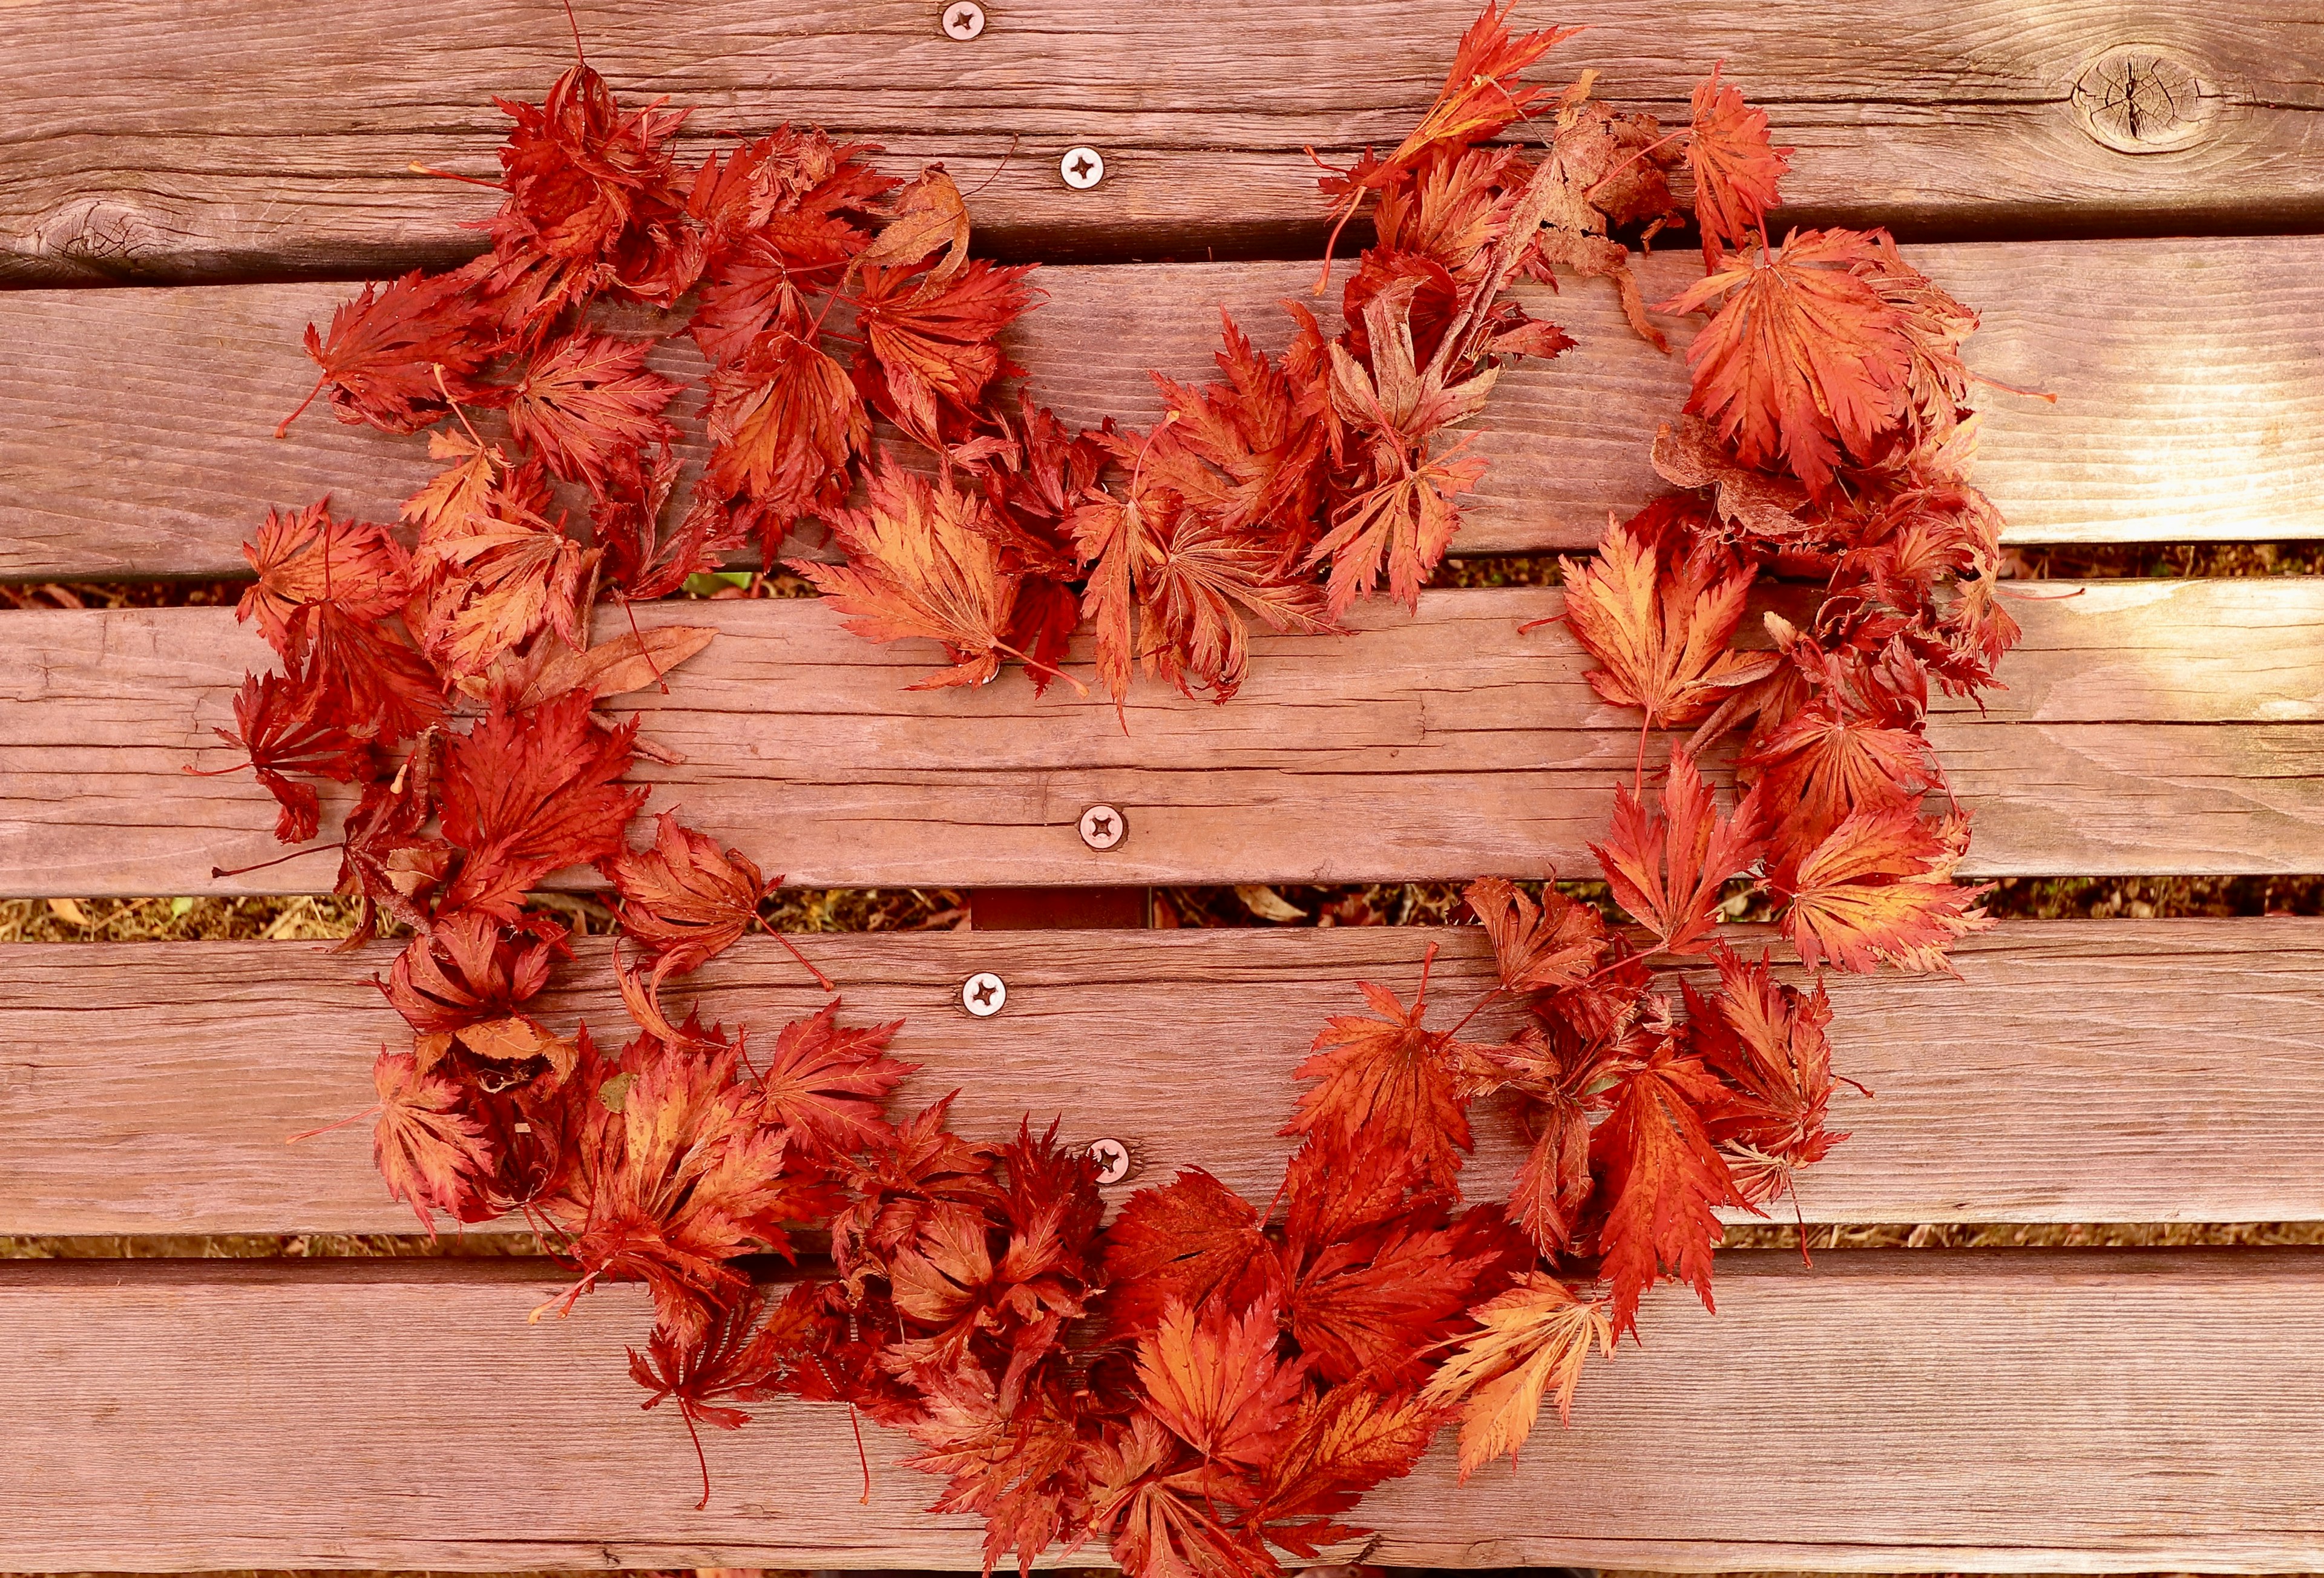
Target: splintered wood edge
[(2079, 1071)]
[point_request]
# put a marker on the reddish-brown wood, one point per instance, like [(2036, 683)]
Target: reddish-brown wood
[(2079, 1071), (2040, 1411), (2147, 726), (137, 434), (216, 138)]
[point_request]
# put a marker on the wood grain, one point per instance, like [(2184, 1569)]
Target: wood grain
[(2180, 1086), (2149, 727), (136, 434), (2027, 1411), (222, 138)]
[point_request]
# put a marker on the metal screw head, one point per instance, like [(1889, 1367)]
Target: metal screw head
[(1083, 168), (1102, 827), (982, 993), (963, 21), (1113, 1158)]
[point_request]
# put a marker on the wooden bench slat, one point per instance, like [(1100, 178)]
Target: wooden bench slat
[(136, 434), (2149, 727), (224, 138), (2018, 1411), (2080, 1071)]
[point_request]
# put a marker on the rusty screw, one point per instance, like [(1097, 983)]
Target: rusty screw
[(1113, 1158), (1083, 168), (963, 21), (1102, 827), (982, 994)]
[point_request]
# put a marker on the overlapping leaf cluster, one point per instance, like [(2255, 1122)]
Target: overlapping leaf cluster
[(1203, 1381)]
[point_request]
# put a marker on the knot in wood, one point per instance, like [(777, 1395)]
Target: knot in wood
[(2136, 98)]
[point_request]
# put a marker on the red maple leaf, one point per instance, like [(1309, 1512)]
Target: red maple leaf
[(784, 422), (1177, 1245), (304, 558), (528, 793), (1767, 1040), (287, 724), (931, 345), (587, 405), (825, 1083), (731, 1360), (1663, 1178), (1386, 1080), (676, 1177), (395, 352), (1666, 866), (427, 1146)]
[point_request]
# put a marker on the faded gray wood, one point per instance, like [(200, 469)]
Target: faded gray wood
[(219, 138), (2149, 727), (2080, 1071), (2027, 1411), (136, 432)]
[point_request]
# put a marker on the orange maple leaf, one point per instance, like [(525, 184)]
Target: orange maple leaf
[(684, 899), (1212, 1375), (1536, 948), (1535, 1338), (1804, 363), (1736, 169), (922, 563), (1879, 890), (1660, 622)]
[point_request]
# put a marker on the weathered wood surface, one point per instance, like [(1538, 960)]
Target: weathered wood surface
[(135, 431), (217, 138), (2149, 727), (2180, 1084), (2008, 1411)]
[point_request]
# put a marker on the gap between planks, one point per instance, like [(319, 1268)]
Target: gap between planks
[(2079, 1071), (2160, 728), (137, 438)]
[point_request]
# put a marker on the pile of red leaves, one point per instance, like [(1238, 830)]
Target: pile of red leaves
[(1202, 1381)]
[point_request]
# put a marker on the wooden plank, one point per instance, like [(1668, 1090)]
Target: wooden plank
[(2149, 727), (135, 436), (2025, 1411), (216, 138), (148, 1089)]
